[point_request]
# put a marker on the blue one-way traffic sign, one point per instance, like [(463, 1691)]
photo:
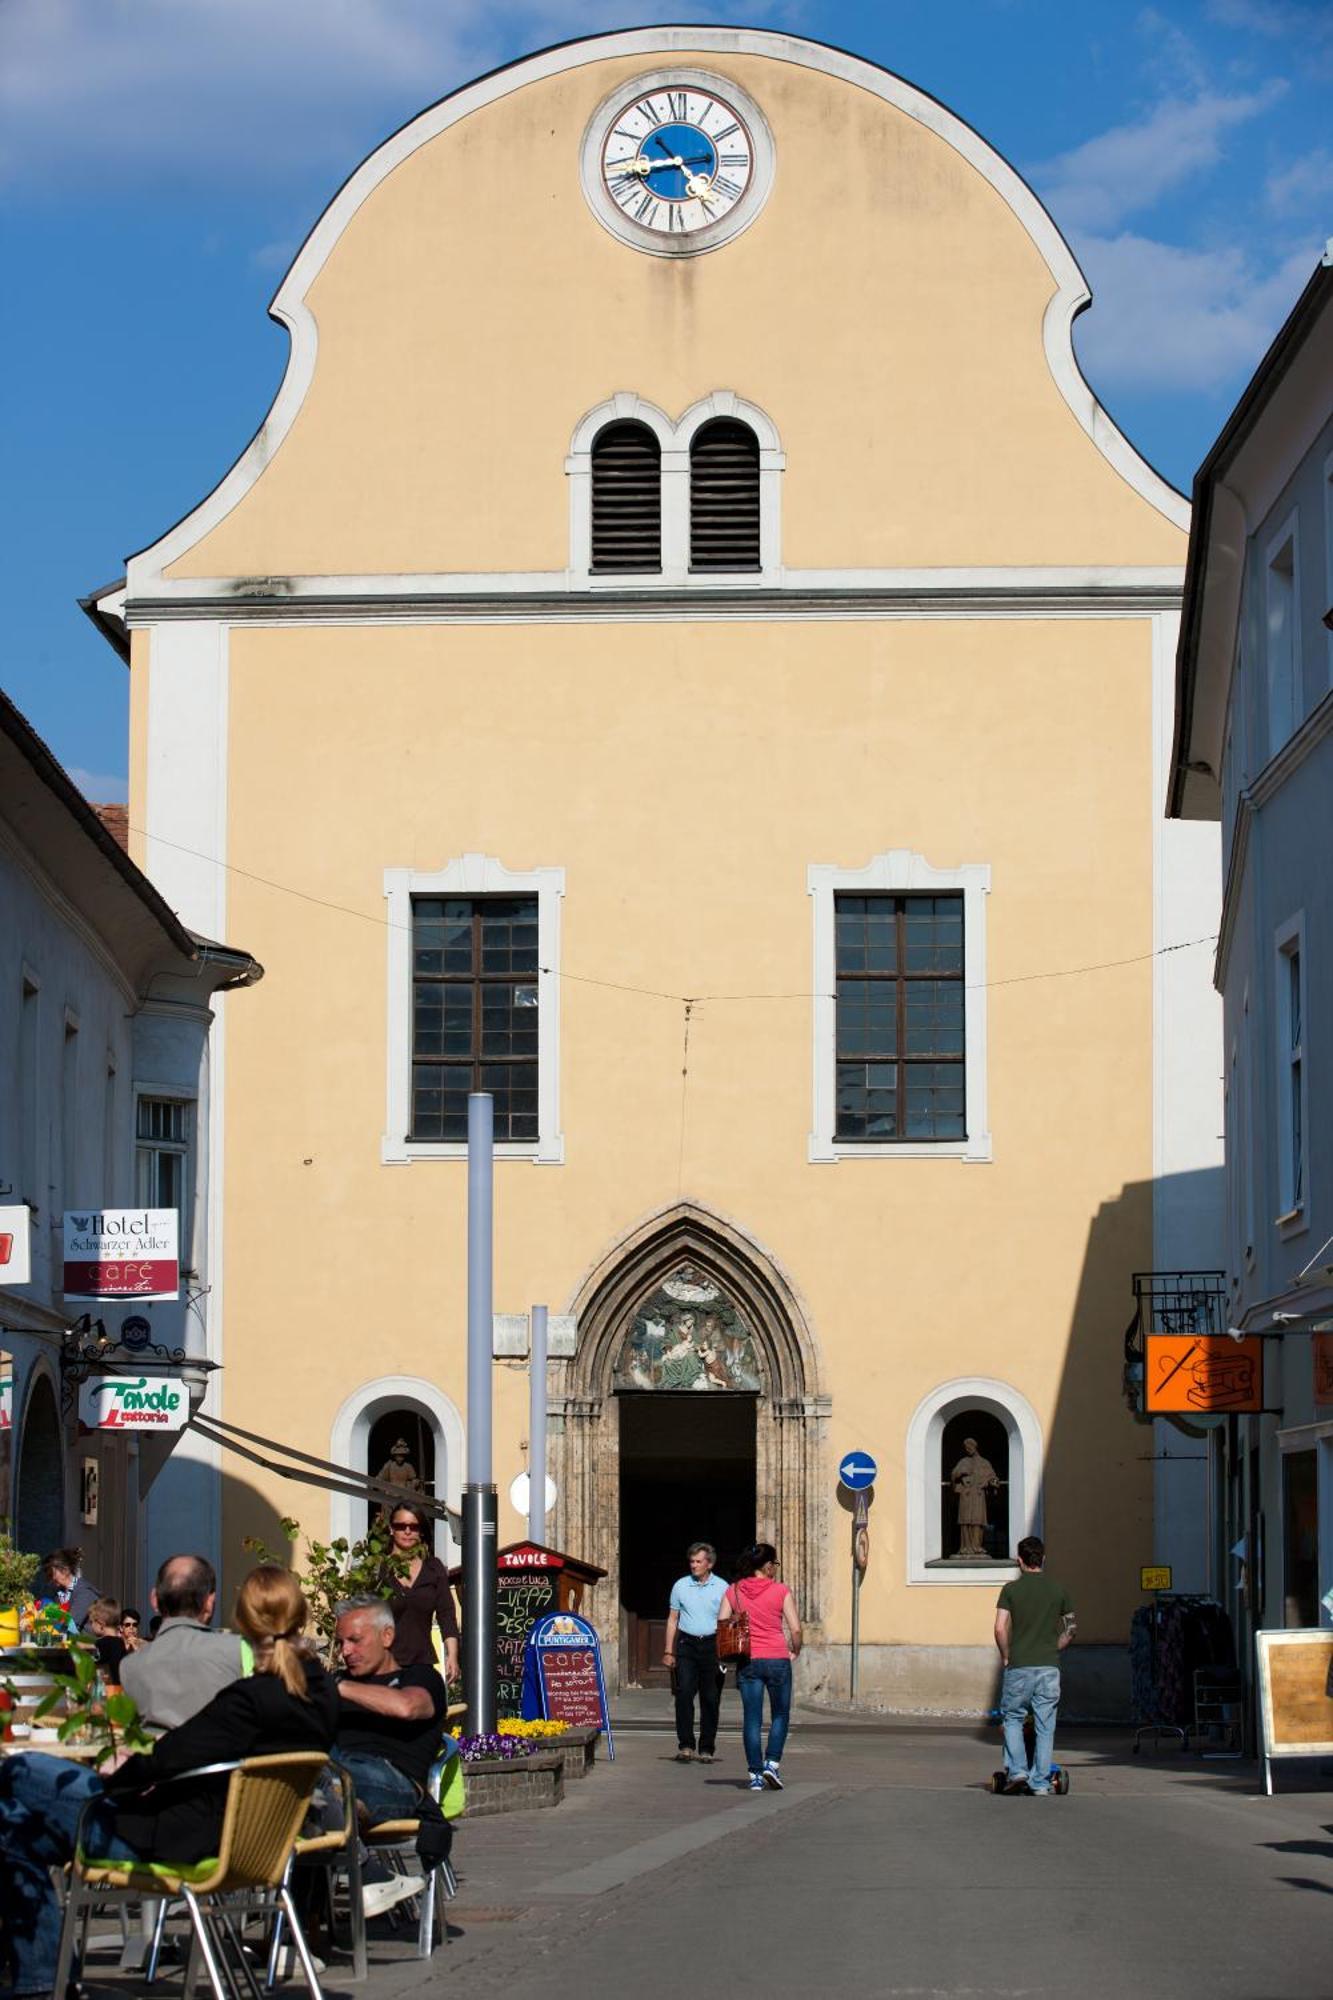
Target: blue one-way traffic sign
[(857, 1471)]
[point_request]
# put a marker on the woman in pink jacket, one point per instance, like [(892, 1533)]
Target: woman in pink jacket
[(775, 1640)]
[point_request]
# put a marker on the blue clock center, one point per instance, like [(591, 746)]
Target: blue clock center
[(668, 144)]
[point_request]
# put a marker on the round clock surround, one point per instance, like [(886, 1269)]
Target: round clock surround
[(677, 161)]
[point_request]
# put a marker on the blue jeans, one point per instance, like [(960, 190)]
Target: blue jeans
[(41, 1800), (1038, 1689), (380, 1787), (753, 1678)]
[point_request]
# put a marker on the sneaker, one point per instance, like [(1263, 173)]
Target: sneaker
[(684, 1756), (1016, 1787), (756, 1782), (704, 1757), (289, 1963), (773, 1777), (377, 1897)]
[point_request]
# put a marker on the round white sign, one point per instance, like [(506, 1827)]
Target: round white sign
[(518, 1494)]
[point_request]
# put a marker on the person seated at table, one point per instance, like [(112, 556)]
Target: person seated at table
[(187, 1663), (110, 1647), (289, 1703), (391, 1728), (61, 1581)]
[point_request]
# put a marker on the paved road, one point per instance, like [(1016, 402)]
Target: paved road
[(886, 1869)]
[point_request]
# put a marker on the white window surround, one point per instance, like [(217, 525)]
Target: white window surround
[(1282, 635), (472, 875), (350, 1438), (897, 871), (924, 1442), (1289, 941), (674, 438)]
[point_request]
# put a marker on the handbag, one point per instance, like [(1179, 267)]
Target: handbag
[(733, 1634)]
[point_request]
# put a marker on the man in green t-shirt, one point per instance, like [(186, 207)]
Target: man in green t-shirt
[(1034, 1622)]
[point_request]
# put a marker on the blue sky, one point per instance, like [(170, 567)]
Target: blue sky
[(161, 160)]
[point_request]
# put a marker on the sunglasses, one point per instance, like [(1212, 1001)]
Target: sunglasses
[(406, 1527)]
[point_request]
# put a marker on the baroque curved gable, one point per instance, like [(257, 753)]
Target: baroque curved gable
[(911, 336)]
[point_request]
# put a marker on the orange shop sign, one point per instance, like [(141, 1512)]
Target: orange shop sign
[(1196, 1373)]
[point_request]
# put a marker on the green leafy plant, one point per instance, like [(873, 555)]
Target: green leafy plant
[(110, 1722), (16, 1572), (335, 1571)]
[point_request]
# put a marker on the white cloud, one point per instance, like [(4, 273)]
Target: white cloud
[(1130, 167), (1169, 318), (102, 789), (106, 91), (1305, 184)]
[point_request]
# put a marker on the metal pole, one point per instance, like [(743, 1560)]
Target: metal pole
[(537, 1428), (480, 1508), (856, 1627)]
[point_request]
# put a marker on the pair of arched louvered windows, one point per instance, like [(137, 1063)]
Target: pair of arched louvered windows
[(627, 498)]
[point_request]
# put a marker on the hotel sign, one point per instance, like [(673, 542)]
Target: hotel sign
[(124, 1253)]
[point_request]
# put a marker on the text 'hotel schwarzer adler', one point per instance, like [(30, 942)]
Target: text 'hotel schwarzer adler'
[(687, 653)]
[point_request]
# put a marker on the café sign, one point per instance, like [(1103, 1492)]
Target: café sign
[(124, 1253), (134, 1402)]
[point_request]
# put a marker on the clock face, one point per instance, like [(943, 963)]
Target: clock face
[(676, 160)]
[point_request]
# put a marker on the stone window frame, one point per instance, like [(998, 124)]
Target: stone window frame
[(898, 871), (471, 875), (674, 439), (925, 1435)]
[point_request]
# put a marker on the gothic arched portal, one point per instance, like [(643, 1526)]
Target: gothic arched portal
[(687, 1305)]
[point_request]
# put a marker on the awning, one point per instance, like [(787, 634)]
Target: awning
[(332, 1478)]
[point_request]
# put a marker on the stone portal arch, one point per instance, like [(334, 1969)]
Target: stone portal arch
[(791, 1416)]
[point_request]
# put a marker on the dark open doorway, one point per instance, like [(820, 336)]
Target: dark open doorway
[(687, 1474), (414, 1430)]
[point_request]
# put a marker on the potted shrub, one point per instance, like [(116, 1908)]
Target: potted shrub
[(16, 1575)]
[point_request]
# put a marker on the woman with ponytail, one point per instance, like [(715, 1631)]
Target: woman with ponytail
[(775, 1640), (288, 1703)]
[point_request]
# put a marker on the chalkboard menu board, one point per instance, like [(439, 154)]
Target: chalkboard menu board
[(569, 1667), (521, 1598)]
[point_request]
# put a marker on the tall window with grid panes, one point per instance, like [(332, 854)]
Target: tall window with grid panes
[(901, 1051), (474, 1013)]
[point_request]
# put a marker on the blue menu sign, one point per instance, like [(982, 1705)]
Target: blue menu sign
[(566, 1677)]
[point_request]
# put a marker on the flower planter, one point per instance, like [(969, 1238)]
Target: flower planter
[(514, 1784), (578, 1748)]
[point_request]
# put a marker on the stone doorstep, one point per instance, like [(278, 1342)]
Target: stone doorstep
[(519, 1784)]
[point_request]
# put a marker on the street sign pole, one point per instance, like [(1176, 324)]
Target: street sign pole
[(537, 1427), (856, 1475), (480, 1506)]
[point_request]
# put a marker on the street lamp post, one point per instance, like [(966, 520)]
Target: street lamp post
[(480, 1508)]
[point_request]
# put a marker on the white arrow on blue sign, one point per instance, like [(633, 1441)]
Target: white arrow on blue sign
[(857, 1471)]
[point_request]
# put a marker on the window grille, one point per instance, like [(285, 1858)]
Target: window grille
[(474, 1013), (901, 1058), (626, 499), (724, 497)]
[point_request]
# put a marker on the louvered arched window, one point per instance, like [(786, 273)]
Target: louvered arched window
[(724, 497), (626, 499)]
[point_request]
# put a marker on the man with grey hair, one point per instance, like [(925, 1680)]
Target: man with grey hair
[(392, 1725), (691, 1652)]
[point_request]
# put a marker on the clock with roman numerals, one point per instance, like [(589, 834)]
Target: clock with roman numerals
[(677, 162)]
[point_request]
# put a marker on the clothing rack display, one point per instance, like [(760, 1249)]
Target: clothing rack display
[(1169, 1641)]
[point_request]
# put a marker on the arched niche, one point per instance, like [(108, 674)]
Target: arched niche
[(350, 1440), (938, 1414)]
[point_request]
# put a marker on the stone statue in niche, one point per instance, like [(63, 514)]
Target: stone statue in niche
[(687, 1335), (399, 1471), (973, 1479)]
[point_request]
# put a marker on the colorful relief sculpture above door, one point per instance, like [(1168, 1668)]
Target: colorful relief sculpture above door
[(687, 1334)]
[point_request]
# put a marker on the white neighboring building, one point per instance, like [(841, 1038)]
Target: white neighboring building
[(105, 1006), (1254, 748)]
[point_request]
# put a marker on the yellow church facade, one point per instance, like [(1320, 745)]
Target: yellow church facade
[(687, 652)]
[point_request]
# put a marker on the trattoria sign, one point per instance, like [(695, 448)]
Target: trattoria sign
[(123, 1253), (133, 1402)]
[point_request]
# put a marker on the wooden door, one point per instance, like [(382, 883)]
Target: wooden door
[(647, 1639)]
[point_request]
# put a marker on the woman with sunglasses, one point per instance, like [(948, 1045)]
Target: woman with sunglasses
[(421, 1598)]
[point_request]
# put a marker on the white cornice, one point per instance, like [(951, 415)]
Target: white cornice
[(556, 597), (290, 308)]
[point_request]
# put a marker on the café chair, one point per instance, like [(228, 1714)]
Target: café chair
[(394, 1840), (266, 1802), (332, 1852)]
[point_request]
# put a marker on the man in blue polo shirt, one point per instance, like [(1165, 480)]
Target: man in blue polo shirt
[(691, 1651)]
